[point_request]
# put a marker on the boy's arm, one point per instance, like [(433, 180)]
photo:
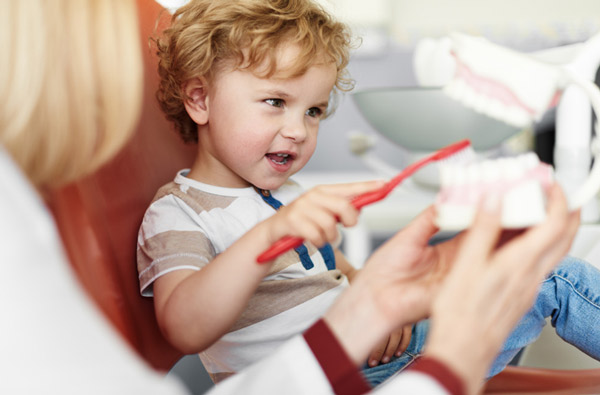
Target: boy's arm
[(195, 308), (344, 265)]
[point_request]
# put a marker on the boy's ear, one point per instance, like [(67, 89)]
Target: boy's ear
[(196, 100)]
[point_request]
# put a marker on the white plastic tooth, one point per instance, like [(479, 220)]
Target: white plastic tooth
[(480, 104), (523, 118), (512, 169), (456, 89), (460, 176), (495, 109), (469, 98), (446, 175), (530, 160), (490, 171), (473, 174), (517, 117)]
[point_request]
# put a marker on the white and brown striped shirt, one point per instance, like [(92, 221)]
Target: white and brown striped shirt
[(189, 223)]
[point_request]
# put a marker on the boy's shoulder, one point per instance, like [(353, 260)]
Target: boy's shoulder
[(170, 188), (184, 194)]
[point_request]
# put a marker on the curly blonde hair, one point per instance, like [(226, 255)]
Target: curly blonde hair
[(245, 34)]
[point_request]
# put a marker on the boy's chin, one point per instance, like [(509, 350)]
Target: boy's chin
[(270, 185)]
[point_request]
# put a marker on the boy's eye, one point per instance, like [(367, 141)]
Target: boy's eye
[(274, 102), (314, 112)]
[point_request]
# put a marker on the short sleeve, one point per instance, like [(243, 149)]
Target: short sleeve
[(169, 239)]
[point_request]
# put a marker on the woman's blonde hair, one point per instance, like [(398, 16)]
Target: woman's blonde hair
[(71, 79), (205, 35)]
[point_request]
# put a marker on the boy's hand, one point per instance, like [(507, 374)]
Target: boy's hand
[(315, 214), (394, 345)]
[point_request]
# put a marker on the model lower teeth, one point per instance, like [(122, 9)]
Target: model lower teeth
[(521, 182)]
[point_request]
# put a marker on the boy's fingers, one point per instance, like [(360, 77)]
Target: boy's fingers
[(405, 341), (352, 189), (377, 353)]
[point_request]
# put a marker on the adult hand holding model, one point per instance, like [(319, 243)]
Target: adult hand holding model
[(473, 284)]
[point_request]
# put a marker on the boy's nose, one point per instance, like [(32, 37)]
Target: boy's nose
[(295, 129)]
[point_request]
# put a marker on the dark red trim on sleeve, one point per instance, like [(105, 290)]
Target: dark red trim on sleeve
[(343, 375), (441, 373)]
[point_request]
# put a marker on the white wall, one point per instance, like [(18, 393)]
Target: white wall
[(505, 20)]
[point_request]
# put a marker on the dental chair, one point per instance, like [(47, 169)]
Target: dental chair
[(98, 219)]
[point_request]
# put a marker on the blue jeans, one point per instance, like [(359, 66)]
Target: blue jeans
[(570, 296)]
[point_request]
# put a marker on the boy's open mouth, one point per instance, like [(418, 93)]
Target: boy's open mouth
[(280, 159)]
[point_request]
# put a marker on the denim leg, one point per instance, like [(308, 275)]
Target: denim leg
[(570, 296), (377, 374)]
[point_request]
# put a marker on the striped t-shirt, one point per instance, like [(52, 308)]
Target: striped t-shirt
[(189, 223)]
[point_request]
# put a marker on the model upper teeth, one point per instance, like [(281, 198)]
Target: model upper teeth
[(488, 170), (459, 180)]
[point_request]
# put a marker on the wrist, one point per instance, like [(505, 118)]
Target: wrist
[(441, 372), (341, 372), (445, 345), (355, 321)]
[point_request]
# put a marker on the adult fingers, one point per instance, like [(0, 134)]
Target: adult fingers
[(422, 228), (481, 238)]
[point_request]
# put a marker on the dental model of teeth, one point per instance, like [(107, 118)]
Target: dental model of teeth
[(520, 182), (502, 83)]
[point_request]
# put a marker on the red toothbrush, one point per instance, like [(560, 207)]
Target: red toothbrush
[(463, 150)]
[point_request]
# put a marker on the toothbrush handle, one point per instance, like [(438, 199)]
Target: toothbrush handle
[(279, 247), (370, 197)]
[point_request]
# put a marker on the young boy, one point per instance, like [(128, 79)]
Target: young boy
[(249, 82)]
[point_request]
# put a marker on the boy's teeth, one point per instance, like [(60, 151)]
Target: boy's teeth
[(278, 158)]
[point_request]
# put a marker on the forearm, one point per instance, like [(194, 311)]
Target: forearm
[(351, 319), (344, 265), (202, 306)]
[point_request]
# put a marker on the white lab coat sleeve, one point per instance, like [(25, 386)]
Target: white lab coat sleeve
[(292, 369), (316, 364), (412, 382)]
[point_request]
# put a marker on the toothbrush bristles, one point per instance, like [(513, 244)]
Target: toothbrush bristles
[(465, 155)]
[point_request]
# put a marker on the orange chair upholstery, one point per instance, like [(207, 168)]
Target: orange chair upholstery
[(98, 219), (525, 380)]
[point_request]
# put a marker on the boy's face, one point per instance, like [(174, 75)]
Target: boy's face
[(260, 131)]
